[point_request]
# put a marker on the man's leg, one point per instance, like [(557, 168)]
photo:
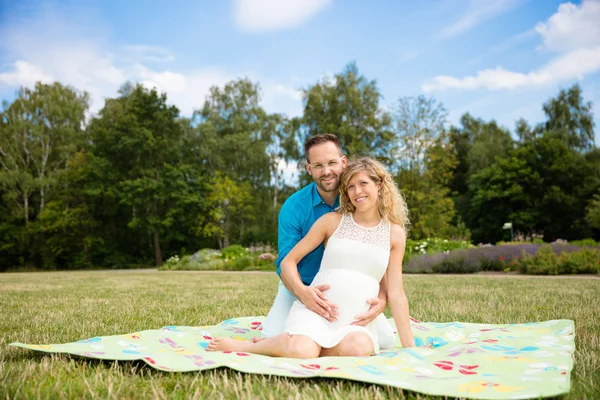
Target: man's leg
[(385, 333), (275, 321)]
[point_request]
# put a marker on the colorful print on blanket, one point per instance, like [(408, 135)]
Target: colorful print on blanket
[(479, 361)]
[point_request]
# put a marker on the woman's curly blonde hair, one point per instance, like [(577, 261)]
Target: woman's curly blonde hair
[(392, 205)]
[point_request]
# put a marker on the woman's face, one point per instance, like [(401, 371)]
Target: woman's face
[(363, 192)]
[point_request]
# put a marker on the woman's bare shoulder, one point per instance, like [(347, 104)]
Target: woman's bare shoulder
[(398, 233)]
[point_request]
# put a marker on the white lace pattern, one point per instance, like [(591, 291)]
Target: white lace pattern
[(378, 236)]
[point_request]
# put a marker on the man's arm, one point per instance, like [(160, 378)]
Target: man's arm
[(312, 297), (289, 233)]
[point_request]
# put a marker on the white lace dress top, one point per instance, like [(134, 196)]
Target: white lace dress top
[(354, 262)]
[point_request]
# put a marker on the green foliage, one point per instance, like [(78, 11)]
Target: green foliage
[(348, 105), (425, 165), (433, 246), (231, 203), (240, 263), (547, 262), (570, 119), (593, 212), (584, 242), (457, 265), (138, 181), (233, 252), (189, 263), (232, 258)]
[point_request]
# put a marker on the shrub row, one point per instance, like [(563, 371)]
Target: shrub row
[(232, 258), (433, 246), (547, 262), (526, 258)]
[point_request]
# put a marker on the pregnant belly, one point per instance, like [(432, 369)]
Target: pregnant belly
[(349, 291)]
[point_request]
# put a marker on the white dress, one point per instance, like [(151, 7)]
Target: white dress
[(354, 263)]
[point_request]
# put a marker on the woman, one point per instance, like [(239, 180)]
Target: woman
[(365, 243)]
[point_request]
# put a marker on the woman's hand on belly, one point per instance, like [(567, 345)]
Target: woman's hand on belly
[(315, 300)]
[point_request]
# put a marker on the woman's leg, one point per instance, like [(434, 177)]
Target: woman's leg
[(354, 344), (284, 345)]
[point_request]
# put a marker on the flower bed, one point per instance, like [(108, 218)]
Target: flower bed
[(515, 257), (232, 258)]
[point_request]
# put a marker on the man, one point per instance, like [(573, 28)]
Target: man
[(325, 163)]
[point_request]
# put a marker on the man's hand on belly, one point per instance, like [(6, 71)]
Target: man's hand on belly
[(314, 299), (377, 307)]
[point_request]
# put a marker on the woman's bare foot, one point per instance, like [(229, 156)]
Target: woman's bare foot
[(226, 344), (258, 339)]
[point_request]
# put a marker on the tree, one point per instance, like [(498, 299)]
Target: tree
[(505, 191), (593, 212), (542, 187), (477, 144), (424, 165), (140, 136), (41, 130), (419, 122), (244, 143), (570, 118), (348, 106), (234, 132), (230, 203)]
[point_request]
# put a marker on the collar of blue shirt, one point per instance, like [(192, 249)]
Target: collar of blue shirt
[(316, 198)]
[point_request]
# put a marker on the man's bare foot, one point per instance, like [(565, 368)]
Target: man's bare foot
[(226, 344), (258, 339)]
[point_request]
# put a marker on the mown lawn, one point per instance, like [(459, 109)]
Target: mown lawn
[(57, 307)]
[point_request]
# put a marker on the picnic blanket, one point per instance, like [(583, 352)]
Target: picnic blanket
[(479, 361)]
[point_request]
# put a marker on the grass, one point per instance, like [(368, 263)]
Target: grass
[(58, 307)]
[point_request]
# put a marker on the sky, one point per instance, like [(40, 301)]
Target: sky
[(497, 59)]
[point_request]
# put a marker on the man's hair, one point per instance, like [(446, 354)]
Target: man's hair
[(320, 139)]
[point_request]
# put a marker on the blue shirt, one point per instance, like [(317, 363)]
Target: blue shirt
[(297, 216)]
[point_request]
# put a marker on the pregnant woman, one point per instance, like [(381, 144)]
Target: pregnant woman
[(364, 246)]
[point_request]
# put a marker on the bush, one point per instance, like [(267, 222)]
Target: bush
[(190, 263), (233, 258), (233, 252), (547, 262), (205, 255), (239, 263), (483, 258), (584, 242), (543, 262), (456, 264), (433, 246)]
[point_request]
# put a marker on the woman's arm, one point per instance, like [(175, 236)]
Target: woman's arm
[(395, 290), (312, 297)]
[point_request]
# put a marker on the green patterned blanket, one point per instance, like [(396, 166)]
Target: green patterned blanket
[(480, 361)]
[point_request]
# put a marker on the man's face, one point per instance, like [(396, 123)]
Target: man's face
[(326, 166)]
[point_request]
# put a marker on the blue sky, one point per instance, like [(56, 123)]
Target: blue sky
[(497, 59)]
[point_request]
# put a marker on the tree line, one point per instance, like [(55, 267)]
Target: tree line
[(138, 182)]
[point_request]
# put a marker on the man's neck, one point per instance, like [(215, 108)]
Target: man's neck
[(328, 197)]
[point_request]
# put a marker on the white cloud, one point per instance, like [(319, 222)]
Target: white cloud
[(572, 27), (278, 98), (60, 50), (186, 91), (573, 31), (271, 15), (24, 74), (478, 12)]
